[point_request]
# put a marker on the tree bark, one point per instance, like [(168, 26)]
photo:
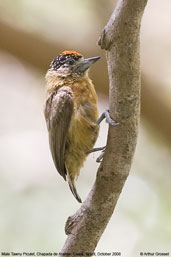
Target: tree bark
[(120, 39)]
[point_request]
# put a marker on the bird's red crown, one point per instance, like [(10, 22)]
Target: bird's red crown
[(71, 53)]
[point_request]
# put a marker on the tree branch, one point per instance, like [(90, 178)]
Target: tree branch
[(120, 39)]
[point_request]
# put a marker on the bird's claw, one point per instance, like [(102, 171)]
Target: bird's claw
[(106, 115), (97, 149), (99, 159)]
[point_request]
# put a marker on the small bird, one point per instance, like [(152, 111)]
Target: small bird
[(71, 114)]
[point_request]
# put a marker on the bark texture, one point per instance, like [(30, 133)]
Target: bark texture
[(120, 39)]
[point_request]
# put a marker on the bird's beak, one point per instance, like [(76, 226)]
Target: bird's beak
[(86, 63)]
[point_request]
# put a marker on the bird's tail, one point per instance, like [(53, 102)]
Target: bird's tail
[(73, 188)]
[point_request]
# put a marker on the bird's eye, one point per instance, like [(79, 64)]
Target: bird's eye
[(70, 62)]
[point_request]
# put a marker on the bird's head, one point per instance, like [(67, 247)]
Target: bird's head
[(71, 63)]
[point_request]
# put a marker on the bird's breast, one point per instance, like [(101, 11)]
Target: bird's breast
[(83, 130)]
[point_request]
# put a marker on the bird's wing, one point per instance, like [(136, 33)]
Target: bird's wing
[(58, 112)]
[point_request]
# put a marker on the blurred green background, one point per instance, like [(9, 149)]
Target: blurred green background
[(35, 201)]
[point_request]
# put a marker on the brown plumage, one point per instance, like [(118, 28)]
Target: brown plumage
[(71, 114)]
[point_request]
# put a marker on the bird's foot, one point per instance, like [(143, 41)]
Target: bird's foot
[(106, 115), (100, 158), (97, 149)]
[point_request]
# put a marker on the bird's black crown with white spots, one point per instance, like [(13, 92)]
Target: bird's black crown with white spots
[(68, 57)]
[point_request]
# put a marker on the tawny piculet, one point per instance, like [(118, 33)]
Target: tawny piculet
[(71, 114)]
